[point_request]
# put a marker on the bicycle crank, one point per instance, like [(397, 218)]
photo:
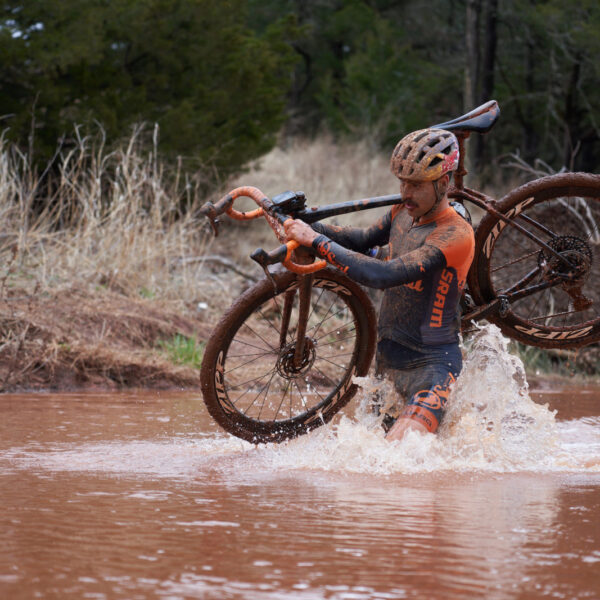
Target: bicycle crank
[(499, 305)]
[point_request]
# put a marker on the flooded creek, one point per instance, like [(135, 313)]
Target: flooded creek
[(139, 495)]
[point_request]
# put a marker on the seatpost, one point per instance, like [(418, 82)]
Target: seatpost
[(460, 171)]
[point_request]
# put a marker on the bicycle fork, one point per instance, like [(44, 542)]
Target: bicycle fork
[(304, 291)]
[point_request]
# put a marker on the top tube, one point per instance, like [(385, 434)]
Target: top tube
[(317, 213)]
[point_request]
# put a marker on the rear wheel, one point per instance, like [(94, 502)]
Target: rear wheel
[(559, 305), (253, 383)]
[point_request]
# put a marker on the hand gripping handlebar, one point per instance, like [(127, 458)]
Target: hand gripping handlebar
[(275, 218)]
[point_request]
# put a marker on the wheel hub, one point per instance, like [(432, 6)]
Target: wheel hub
[(285, 362)]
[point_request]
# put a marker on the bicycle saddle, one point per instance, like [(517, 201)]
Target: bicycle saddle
[(480, 120)]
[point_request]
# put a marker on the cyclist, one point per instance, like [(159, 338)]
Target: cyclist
[(423, 271)]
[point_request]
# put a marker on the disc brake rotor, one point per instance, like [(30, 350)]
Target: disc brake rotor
[(285, 362)]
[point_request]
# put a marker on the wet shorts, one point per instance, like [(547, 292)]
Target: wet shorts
[(422, 379)]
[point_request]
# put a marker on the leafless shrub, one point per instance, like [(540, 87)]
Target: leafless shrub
[(579, 208), (114, 219)]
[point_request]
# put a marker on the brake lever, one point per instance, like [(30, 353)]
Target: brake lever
[(283, 255)]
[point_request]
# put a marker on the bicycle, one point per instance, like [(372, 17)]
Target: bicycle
[(281, 360)]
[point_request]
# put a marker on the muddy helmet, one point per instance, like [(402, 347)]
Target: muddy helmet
[(425, 155)]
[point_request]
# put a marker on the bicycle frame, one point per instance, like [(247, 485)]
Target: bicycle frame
[(478, 199)]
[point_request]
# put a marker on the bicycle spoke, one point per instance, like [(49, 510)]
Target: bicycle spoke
[(229, 356), (302, 399), (243, 364), (234, 402), (315, 390), (268, 321), (513, 262), (281, 403), (314, 306), (560, 314), (233, 387), (352, 337), (540, 296), (266, 395), (325, 320), (255, 398), (260, 337), (332, 363), (336, 330), (324, 375), (301, 395), (266, 351), (339, 355)]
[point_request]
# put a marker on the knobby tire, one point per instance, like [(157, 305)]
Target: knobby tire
[(250, 384), (568, 207)]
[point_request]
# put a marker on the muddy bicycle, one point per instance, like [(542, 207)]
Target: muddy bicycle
[(281, 360)]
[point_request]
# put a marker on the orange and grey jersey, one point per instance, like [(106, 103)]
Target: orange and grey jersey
[(423, 276)]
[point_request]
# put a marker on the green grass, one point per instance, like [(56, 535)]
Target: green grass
[(183, 350), (548, 362)]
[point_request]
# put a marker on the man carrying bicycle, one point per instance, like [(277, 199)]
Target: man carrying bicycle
[(423, 271)]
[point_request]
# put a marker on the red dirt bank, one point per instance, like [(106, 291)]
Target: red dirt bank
[(70, 340)]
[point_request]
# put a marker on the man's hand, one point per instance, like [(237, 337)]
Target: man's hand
[(301, 232)]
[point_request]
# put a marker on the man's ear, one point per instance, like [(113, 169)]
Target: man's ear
[(443, 183)]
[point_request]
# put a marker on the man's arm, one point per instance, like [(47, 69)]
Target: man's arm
[(376, 273), (357, 238)]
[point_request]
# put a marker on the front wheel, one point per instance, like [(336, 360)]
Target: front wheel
[(253, 382), (555, 303)]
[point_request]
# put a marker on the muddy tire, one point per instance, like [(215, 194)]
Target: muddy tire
[(566, 208), (251, 385)]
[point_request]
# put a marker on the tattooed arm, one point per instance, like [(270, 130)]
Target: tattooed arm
[(357, 238), (375, 273)]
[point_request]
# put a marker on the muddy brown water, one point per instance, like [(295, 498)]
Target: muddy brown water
[(139, 495)]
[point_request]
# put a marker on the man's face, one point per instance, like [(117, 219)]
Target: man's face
[(418, 196)]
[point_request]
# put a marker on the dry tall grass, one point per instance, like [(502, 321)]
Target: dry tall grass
[(115, 219)]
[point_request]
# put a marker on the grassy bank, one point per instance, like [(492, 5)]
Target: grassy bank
[(110, 277)]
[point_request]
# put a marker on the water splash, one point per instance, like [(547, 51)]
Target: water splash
[(491, 419), (491, 425)]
